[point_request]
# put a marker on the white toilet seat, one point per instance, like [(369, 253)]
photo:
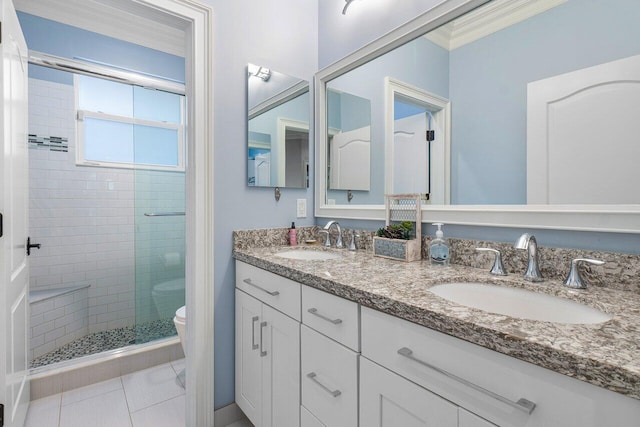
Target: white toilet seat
[(181, 314)]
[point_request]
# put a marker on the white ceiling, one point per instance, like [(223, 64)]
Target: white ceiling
[(126, 20)]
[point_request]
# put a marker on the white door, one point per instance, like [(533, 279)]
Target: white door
[(248, 361), (582, 136), (388, 400), (263, 170), (351, 160), (14, 265), (410, 155), (280, 369)]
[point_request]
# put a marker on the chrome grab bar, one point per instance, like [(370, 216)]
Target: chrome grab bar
[(314, 311), (254, 346), (263, 353), (250, 283), (312, 376), (164, 214), (522, 404)]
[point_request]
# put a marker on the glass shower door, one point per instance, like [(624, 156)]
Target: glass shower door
[(159, 213)]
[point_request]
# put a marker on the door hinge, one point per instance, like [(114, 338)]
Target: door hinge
[(1, 415), (1, 222), (431, 135)]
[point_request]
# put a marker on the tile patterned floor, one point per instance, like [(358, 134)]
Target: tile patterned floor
[(108, 340), (153, 397)]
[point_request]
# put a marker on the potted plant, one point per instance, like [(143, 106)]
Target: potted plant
[(400, 241)]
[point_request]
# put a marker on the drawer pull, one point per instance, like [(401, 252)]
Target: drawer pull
[(522, 404), (250, 283), (263, 353), (312, 376), (314, 311), (254, 346)]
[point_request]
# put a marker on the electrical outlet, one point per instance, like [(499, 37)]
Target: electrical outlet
[(301, 208)]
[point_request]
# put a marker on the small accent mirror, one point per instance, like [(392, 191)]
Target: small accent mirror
[(277, 130)]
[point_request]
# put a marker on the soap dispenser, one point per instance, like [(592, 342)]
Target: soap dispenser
[(439, 248)]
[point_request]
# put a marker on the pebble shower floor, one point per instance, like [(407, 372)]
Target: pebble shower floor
[(107, 340)]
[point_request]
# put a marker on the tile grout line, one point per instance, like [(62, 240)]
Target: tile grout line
[(60, 411), (124, 391)]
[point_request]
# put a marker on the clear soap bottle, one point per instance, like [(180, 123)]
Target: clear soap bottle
[(439, 248)]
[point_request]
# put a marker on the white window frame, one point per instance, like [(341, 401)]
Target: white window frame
[(81, 160)]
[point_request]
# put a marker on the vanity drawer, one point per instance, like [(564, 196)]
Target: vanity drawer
[(332, 316), (384, 335), (277, 291), (329, 379)]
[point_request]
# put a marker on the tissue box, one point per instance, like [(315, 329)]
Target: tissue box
[(403, 250)]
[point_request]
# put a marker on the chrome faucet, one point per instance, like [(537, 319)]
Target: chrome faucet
[(528, 241), (327, 227), (574, 278)]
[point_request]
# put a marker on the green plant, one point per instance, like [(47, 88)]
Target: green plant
[(397, 231)]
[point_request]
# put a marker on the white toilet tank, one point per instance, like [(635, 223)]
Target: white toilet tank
[(167, 296)]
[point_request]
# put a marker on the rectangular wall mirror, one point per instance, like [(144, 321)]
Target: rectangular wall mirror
[(488, 107), (277, 129)]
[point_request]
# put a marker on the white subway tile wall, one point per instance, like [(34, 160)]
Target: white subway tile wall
[(84, 219), (57, 321)]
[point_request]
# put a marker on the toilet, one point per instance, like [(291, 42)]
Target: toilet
[(180, 321), (167, 296)]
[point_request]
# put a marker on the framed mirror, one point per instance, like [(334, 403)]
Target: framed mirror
[(498, 113), (277, 129)]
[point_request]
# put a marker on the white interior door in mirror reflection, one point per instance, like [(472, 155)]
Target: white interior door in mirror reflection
[(583, 136), (349, 142), (350, 162)]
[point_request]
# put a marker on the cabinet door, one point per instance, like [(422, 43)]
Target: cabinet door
[(280, 369), (248, 361), (467, 419), (388, 400)]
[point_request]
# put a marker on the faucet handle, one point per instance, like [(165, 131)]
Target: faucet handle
[(498, 267), (327, 241), (352, 245), (574, 278)]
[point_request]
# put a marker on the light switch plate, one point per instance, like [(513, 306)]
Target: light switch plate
[(301, 208)]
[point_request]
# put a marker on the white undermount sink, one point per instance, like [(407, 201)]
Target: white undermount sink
[(309, 255), (519, 303)]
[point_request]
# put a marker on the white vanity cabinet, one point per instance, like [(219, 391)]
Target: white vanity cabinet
[(484, 384), (267, 348)]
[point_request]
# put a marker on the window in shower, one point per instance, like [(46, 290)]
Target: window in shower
[(125, 126)]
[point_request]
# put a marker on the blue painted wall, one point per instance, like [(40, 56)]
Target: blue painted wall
[(250, 31)]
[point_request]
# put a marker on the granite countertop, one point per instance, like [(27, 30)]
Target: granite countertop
[(606, 354)]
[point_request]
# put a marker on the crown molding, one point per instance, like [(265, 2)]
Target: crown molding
[(109, 18), (488, 19)]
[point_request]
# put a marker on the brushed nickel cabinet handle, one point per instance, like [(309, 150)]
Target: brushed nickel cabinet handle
[(312, 376), (254, 346), (522, 404), (263, 352), (250, 283), (314, 311)]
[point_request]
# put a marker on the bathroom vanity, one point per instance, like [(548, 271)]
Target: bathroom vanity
[(360, 340)]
